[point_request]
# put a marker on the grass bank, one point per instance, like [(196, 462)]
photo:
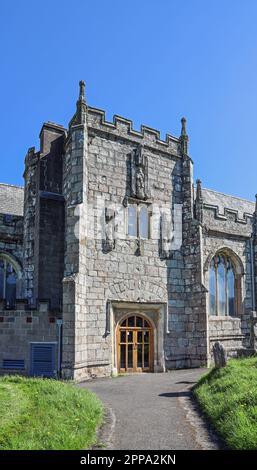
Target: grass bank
[(228, 396), (47, 414)]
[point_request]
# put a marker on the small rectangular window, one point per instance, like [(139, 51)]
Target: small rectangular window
[(143, 222), (132, 221), (138, 221)]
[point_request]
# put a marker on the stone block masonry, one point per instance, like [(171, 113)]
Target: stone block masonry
[(20, 328)]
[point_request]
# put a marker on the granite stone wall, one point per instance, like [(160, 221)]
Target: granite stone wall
[(19, 328)]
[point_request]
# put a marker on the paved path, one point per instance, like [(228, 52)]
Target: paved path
[(153, 411)]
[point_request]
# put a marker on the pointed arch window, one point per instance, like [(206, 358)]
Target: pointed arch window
[(222, 290), (8, 282)]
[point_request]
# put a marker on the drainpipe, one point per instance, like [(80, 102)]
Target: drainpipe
[(59, 358), (252, 273)]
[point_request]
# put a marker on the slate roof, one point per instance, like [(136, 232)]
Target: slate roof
[(222, 201), (11, 199)]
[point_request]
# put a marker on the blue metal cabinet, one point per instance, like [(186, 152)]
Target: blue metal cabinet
[(42, 360)]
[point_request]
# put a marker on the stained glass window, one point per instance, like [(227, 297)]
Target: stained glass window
[(221, 286), (212, 289), (221, 273), (8, 281)]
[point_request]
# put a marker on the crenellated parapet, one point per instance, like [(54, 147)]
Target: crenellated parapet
[(227, 214), (123, 128)]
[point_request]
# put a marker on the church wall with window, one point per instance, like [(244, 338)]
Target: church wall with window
[(228, 270)]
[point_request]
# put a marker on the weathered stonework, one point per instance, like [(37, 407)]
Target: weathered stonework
[(76, 256)]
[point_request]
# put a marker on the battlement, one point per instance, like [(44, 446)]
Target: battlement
[(122, 127), (228, 207)]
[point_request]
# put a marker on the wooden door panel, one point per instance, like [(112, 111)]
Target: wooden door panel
[(134, 342)]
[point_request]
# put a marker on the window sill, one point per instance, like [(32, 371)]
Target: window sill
[(225, 317), (132, 237)]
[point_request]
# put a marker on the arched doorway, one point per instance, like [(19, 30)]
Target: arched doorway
[(135, 344)]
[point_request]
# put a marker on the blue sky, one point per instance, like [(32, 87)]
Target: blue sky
[(152, 61)]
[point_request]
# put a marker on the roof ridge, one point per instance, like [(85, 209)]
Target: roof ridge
[(229, 195), (12, 185)]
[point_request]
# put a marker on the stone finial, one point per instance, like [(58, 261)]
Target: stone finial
[(183, 137), (183, 126), (82, 90), (199, 196), (255, 203), (80, 115)]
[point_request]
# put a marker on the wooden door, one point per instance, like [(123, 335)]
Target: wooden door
[(135, 345)]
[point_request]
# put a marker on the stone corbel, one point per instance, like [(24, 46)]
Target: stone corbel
[(109, 240), (139, 247)]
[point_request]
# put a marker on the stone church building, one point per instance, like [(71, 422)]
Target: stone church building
[(112, 260)]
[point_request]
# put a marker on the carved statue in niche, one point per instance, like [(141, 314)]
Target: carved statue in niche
[(140, 183), (139, 174)]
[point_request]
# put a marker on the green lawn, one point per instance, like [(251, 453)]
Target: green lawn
[(228, 396), (47, 414)]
